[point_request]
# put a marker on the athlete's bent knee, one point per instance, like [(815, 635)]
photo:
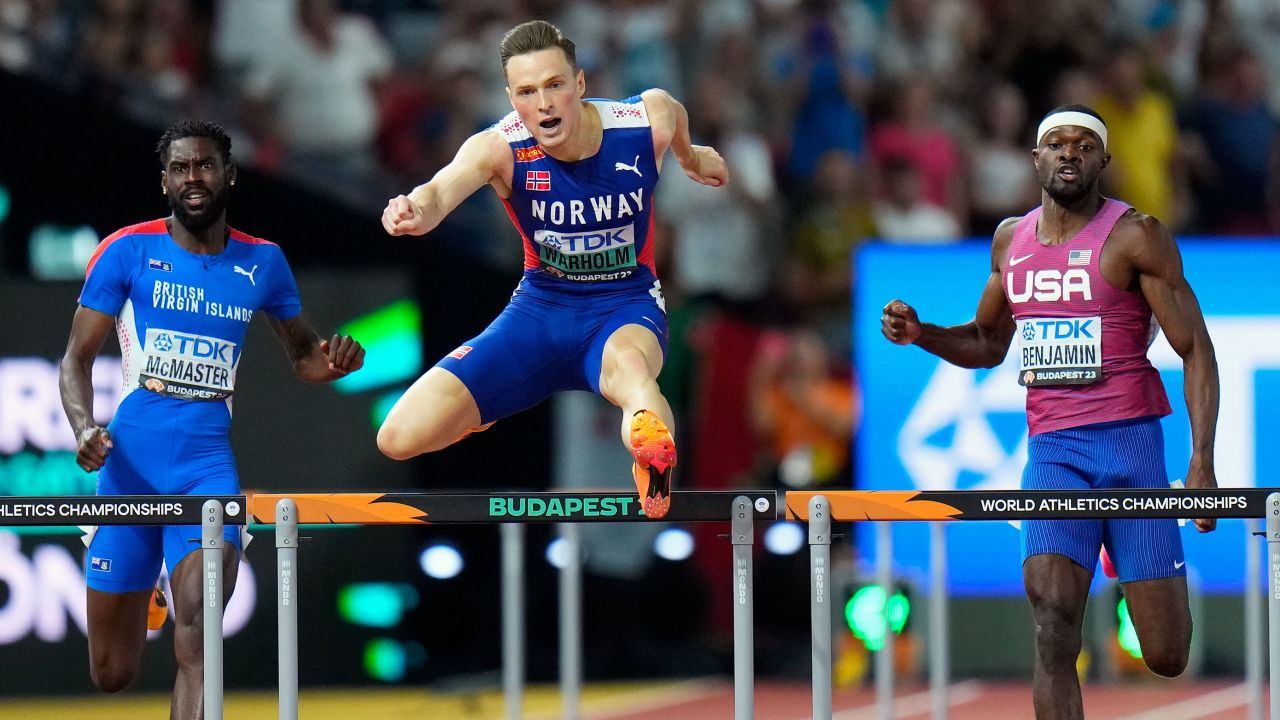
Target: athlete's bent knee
[(1167, 663), (112, 678), (392, 442)]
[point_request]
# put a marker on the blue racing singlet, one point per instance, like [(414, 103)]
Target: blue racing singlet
[(181, 317), (587, 223)]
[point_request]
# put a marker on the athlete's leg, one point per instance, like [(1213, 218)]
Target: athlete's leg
[(1059, 557), (629, 370), (1147, 552), (121, 567), (433, 413), (1162, 617), (117, 634), (630, 361), (188, 633), (1058, 588)]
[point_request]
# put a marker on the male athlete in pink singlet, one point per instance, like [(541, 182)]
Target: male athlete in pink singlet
[(1081, 282)]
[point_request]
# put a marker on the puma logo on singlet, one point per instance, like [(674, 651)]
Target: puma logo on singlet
[(247, 273), (634, 167)]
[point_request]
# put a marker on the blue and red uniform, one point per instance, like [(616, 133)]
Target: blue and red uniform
[(1094, 401), (587, 229), (181, 319)]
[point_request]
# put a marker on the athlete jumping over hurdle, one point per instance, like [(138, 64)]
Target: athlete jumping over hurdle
[(577, 177), (1078, 280), (180, 292)]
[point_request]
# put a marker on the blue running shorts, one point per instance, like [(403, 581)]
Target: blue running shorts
[(545, 342), (1121, 455), (178, 454)]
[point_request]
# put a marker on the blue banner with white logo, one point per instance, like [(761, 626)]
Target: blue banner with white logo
[(932, 426)]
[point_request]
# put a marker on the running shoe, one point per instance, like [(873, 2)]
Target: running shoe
[(655, 457), (157, 609)]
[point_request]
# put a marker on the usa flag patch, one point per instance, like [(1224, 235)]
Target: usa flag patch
[(539, 180), (1079, 257)]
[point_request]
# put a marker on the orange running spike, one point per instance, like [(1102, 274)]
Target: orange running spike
[(157, 609), (655, 457)]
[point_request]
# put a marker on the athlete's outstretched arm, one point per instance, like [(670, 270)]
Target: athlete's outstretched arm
[(89, 330), (670, 126), (1158, 263), (482, 159), (980, 343), (313, 359)]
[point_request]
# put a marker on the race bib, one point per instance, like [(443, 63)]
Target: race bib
[(1059, 351), (186, 366), (608, 254)]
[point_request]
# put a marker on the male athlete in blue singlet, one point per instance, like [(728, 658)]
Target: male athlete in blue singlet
[(1094, 401), (577, 177), (180, 292)]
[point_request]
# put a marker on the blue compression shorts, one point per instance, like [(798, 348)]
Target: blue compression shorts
[(546, 342), (174, 455), (1122, 455)]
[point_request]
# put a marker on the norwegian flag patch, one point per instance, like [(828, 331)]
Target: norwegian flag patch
[(461, 352), (1079, 257), (539, 180)]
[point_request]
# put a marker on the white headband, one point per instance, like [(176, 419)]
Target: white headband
[(1071, 117)]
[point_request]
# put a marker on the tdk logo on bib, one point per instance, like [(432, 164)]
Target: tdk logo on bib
[(575, 243), (194, 346), (1072, 329)]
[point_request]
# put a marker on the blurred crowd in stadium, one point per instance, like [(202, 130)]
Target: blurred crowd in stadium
[(907, 121)]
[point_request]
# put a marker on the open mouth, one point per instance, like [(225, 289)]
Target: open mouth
[(550, 124), (195, 198), (1068, 173)]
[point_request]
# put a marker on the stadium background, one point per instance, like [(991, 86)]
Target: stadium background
[(893, 130)]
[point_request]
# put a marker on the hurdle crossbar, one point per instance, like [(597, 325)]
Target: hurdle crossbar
[(860, 505), (740, 508), (419, 508)]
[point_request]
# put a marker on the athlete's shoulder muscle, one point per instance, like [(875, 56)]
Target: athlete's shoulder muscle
[(482, 159), (1001, 239), (659, 105)]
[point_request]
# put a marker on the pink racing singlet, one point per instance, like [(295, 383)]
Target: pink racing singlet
[(1082, 344)]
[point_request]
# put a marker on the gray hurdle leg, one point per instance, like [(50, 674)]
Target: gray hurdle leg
[(820, 602), (742, 535), (884, 658), (571, 622), (1273, 599), (513, 618), (1253, 603), (939, 631), (211, 556), (287, 605)]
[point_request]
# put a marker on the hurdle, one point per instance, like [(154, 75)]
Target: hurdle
[(741, 509), (938, 506)]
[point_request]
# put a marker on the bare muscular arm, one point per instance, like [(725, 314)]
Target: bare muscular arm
[(1154, 257), (980, 343), (89, 330), (670, 127), (313, 359), (485, 158)]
